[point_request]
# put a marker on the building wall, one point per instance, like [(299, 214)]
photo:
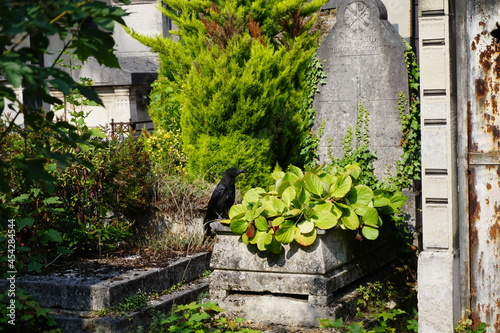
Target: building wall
[(124, 91)]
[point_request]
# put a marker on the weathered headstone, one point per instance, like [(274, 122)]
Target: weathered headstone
[(364, 63)]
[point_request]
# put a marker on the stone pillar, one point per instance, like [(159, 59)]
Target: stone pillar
[(124, 105), (438, 265)]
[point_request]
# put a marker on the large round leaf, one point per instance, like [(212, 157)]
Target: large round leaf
[(261, 223), (281, 187), (291, 177), (238, 226), (380, 201), (273, 207), (253, 195), (277, 221), (303, 196), (237, 211), (397, 201), (287, 232), (313, 184), (306, 226), (295, 170), (349, 219), (360, 195), (289, 195), (324, 220), (292, 213), (306, 239), (263, 240), (324, 206), (370, 217), (340, 186), (370, 232), (277, 175)]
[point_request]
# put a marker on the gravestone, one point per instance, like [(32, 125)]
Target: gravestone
[(364, 62)]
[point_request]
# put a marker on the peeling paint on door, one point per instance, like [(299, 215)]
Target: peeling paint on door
[(484, 164)]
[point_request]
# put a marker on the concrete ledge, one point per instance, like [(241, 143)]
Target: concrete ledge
[(94, 294), (75, 322)]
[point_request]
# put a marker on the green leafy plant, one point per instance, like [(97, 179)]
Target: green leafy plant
[(356, 148), (29, 315), (238, 84), (32, 154), (409, 166), (301, 202), (199, 318), (467, 325), (383, 323), (132, 303)]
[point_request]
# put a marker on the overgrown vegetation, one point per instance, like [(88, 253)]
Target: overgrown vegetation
[(386, 305), (356, 149), (409, 166), (54, 181), (300, 202), (236, 84), (84, 205), (30, 316), (467, 325), (197, 317)]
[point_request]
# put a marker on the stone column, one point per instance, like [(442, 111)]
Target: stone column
[(124, 105), (438, 264)]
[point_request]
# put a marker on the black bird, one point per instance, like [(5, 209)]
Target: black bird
[(222, 198)]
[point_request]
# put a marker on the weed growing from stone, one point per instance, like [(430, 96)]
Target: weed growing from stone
[(198, 317)]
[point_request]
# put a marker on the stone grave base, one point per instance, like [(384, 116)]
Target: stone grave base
[(298, 286), (74, 300), (282, 310)]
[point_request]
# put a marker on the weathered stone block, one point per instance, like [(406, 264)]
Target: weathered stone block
[(299, 278), (437, 273)]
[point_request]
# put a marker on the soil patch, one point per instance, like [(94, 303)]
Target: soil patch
[(110, 264)]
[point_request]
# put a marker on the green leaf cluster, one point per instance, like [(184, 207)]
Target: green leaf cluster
[(30, 316), (409, 166), (236, 71), (199, 318), (70, 190), (301, 202), (383, 320)]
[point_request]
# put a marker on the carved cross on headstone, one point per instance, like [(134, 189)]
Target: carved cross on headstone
[(364, 64), (357, 16)]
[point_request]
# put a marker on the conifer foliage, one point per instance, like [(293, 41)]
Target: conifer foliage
[(233, 79)]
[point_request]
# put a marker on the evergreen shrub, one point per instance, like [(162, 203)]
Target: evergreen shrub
[(236, 83)]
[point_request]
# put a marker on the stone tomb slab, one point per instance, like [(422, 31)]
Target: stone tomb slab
[(304, 278), (95, 293)]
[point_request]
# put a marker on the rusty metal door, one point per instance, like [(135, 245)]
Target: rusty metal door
[(484, 160)]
